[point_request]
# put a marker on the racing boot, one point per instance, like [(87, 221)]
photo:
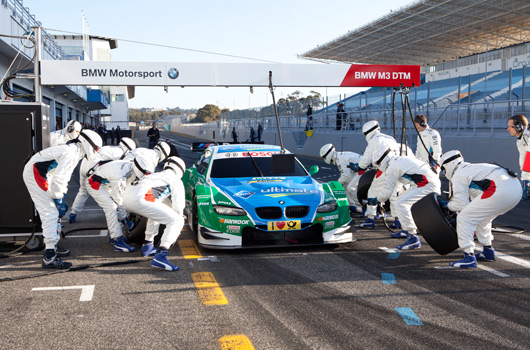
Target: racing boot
[(395, 225), (148, 249), (412, 242), (368, 223), (51, 261), (488, 254), (469, 261), (72, 217), (400, 234), (121, 246), (113, 241), (160, 261), (61, 251), (379, 216)]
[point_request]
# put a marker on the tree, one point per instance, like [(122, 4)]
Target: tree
[(207, 113)]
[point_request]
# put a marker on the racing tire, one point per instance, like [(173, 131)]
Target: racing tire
[(434, 224), (137, 235), (195, 217), (364, 185)]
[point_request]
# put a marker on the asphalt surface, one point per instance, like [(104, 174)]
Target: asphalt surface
[(361, 295)]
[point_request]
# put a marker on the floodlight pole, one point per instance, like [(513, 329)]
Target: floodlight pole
[(275, 111), (37, 32)]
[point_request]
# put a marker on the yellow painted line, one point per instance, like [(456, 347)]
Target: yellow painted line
[(235, 342), (188, 249), (208, 289)]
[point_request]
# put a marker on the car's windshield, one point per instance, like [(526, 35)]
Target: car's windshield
[(243, 167)]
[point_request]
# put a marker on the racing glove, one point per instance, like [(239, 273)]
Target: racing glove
[(354, 166), (61, 206), (443, 203), (128, 223), (526, 190), (372, 201)]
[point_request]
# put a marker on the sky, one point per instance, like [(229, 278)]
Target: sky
[(273, 30)]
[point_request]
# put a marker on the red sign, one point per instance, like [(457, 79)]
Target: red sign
[(382, 75)]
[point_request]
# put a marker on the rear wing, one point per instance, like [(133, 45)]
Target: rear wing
[(201, 146)]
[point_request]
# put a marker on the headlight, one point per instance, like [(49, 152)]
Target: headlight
[(327, 207), (232, 211)]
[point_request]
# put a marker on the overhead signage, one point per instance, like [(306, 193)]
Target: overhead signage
[(57, 72)]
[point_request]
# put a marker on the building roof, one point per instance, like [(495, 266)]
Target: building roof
[(432, 31)]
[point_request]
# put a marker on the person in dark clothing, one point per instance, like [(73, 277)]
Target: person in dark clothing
[(340, 114), (154, 136), (252, 135), (118, 135), (112, 135), (260, 132), (234, 134), (309, 123)]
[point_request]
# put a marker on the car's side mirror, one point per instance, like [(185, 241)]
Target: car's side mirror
[(313, 170)]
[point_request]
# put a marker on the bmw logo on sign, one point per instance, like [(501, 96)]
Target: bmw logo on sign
[(173, 73)]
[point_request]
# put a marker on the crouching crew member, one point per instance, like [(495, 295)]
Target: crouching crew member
[(481, 192), (107, 184), (407, 171), (151, 197), (348, 178), (518, 127), (46, 176)]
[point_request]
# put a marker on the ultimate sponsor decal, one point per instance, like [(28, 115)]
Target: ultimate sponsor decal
[(276, 192), (284, 225), (233, 229), (329, 217), (244, 194), (234, 221)]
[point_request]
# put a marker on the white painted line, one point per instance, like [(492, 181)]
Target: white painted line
[(102, 233), (388, 250), (513, 259), (493, 271), (447, 268), (87, 292), (6, 266), (518, 235)]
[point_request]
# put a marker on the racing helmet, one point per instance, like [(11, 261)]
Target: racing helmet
[(176, 164), (143, 165), (370, 129), (449, 161), (163, 149), (328, 153), (90, 142), (73, 128), (127, 144), (381, 157)]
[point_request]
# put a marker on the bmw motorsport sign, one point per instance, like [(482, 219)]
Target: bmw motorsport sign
[(54, 72)]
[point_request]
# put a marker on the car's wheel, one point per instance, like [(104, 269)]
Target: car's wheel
[(435, 224), (137, 235), (364, 185), (195, 217)]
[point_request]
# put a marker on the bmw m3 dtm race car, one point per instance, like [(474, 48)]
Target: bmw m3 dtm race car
[(237, 198)]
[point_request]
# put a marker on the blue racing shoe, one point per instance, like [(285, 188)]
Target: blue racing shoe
[(412, 242), (469, 261), (148, 249), (400, 234), (396, 224), (61, 251), (368, 223), (379, 216), (71, 218), (488, 254), (50, 260), (160, 261), (121, 246), (113, 241)]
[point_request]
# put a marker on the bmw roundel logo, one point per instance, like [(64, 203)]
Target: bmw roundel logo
[(173, 73), (281, 202)]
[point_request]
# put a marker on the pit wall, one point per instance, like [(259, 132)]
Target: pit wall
[(475, 149)]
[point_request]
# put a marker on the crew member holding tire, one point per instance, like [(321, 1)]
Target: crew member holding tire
[(46, 176), (430, 150), (348, 178), (107, 185), (518, 127), (481, 192), (160, 197), (105, 154), (421, 181)]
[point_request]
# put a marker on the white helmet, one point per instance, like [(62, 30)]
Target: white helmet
[(381, 157), (176, 164), (449, 161), (91, 142), (127, 144), (370, 129), (328, 153), (72, 130), (163, 149), (143, 165)]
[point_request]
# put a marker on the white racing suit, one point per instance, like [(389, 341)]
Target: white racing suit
[(481, 192), (58, 138), (106, 185), (523, 145), (146, 152), (348, 178), (374, 144), (433, 142), (106, 153), (46, 176), (150, 197), (421, 180)]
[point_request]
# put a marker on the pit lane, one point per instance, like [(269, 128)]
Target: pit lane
[(357, 295)]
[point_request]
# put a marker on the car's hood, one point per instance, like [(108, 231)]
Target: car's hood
[(255, 192)]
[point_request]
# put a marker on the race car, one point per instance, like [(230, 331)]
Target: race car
[(238, 197)]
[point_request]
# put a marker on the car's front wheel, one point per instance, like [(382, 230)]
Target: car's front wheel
[(195, 216)]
